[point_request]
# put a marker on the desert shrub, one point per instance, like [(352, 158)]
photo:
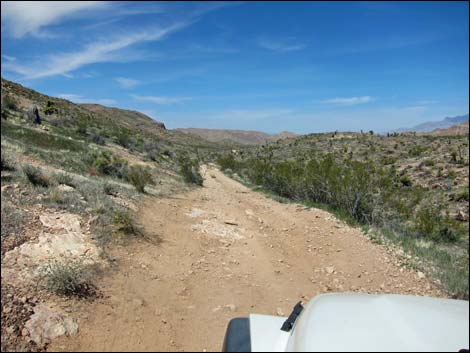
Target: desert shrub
[(35, 176), (62, 178), (9, 103), (139, 177), (109, 189), (125, 223), (40, 139), (67, 278), (49, 107), (13, 218), (105, 163), (429, 162), (453, 155), (451, 174), (426, 220), (64, 200), (6, 163), (227, 161), (123, 138), (189, 169), (416, 151), (96, 138), (405, 180), (388, 160), (461, 195), (447, 232)]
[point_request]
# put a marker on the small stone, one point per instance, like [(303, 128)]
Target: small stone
[(421, 275), (231, 307), (330, 269), (138, 302)]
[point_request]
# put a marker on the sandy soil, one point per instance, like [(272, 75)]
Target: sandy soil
[(225, 252)]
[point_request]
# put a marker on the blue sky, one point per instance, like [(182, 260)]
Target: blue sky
[(271, 66)]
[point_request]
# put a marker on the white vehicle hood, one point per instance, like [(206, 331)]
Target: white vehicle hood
[(361, 323)]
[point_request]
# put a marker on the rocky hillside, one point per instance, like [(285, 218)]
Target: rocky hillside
[(242, 137), (432, 125), (72, 179), (130, 117), (457, 129)]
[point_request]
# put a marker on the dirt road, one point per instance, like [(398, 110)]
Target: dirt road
[(227, 251)]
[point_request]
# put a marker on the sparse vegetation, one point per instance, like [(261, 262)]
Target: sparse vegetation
[(390, 189), (189, 169), (65, 179), (139, 177), (6, 163), (35, 176), (125, 223), (49, 107), (69, 278), (9, 103)]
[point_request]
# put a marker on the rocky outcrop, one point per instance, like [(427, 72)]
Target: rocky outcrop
[(46, 324), (62, 239)]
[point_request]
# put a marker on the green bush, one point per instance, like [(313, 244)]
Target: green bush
[(139, 177), (105, 163), (405, 180), (35, 176), (9, 103), (31, 137), (429, 162), (96, 138), (13, 219), (125, 223), (189, 169), (6, 163), (65, 179), (227, 161), (109, 189), (69, 278), (416, 151), (123, 138), (461, 195), (427, 220), (49, 108)]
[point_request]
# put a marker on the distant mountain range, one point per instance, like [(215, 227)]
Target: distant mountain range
[(239, 136), (429, 126), (457, 129)]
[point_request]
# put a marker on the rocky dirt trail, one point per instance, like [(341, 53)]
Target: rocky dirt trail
[(225, 252)]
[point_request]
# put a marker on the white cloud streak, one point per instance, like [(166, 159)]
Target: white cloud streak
[(160, 100), (96, 52), (126, 82), (350, 100), (76, 98), (280, 45), (29, 17)]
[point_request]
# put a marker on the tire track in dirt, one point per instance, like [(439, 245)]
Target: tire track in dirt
[(227, 251)]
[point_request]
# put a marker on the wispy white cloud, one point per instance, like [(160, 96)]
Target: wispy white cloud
[(96, 52), (283, 45), (30, 17), (160, 100), (350, 100), (126, 82), (426, 102), (76, 98), (8, 57)]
